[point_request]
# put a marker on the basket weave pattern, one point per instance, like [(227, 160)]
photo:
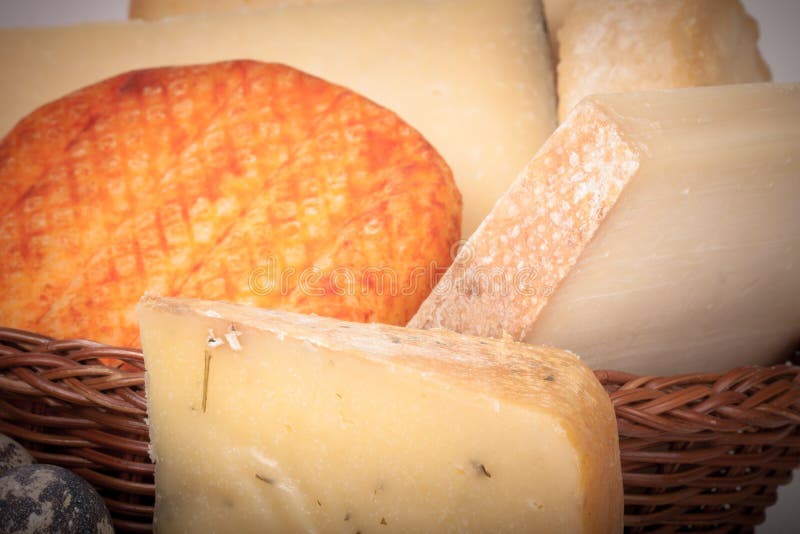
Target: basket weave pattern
[(705, 452), (700, 453)]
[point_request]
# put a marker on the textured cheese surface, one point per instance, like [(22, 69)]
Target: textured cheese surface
[(474, 78), (693, 268), (610, 46), (239, 180), (504, 275), (317, 425)]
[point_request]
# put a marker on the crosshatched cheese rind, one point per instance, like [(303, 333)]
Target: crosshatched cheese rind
[(321, 425), (616, 46), (474, 78), (241, 180)]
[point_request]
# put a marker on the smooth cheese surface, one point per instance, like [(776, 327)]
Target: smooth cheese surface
[(657, 233), (615, 46), (475, 79), (311, 424)]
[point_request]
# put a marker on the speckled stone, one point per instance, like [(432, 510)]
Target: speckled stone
[(46, 498), (12, 455)]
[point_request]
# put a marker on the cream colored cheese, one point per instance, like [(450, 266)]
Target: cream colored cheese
[(697, 267), (657, 232), (319, 425)]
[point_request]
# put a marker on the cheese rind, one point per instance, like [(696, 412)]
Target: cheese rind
[(475, 79), (321, 425), (504, 275), (244, 181), (694, 268), (615, 46)]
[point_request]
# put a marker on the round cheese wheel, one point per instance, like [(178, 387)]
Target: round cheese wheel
[(239, 181)]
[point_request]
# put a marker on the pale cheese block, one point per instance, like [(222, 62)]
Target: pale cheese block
[(671, 218), (610, 46), (475, 79), (267, 421)]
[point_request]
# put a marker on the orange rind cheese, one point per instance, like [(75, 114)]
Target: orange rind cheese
[(242, 181)]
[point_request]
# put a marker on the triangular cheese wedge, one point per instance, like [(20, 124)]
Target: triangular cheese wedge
[(276, 422), (654, 233)]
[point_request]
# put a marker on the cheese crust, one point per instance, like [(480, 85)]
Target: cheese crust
[(240, 180)]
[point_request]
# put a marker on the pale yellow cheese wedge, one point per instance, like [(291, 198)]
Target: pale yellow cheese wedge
[(609, 46), (475, 79), (655, 233), (266, 421)]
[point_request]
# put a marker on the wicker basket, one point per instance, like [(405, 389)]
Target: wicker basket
[(700, 453)]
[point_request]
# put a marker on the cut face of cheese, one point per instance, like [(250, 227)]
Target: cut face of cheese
[(475, 79), (317, 425), (615, 46), (672, 224)]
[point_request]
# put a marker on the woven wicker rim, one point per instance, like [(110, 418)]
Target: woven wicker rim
[(700, 452)]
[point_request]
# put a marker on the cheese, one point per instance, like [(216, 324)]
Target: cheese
[(610, 46), (475, 79), (555, 12), (158, 9), (319, 425), (240, 180), (670, 217)]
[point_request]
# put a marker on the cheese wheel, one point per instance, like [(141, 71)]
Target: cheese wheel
[(243, 181)]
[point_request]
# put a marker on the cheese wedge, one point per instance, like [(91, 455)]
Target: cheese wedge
[(269, 421), (610, 46), (475, 79), (671, 219)]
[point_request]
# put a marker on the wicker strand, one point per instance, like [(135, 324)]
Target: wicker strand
[(700, 452)]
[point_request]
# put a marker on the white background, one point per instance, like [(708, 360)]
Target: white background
[(780, 44)]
